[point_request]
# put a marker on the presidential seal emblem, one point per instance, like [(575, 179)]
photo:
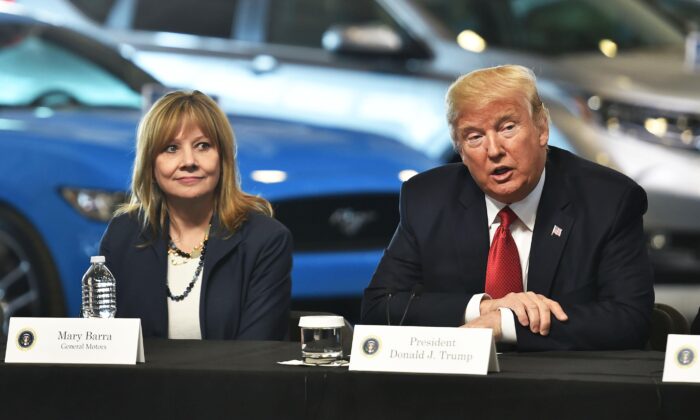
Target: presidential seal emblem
[(685, 356), (26, 339), (370, 346)]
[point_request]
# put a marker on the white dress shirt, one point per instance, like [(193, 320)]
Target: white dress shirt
[(521, 230)]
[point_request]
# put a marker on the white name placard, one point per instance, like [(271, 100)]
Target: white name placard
[(682, 362), (74, 340), (423, 350)]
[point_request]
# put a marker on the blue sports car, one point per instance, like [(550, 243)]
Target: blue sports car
[(69, 107)]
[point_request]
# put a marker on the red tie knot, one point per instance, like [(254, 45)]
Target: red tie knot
[(507, 217)]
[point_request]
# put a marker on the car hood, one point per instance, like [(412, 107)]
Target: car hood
[(313, 159), (658, 78), (309, 148), (112, 128)]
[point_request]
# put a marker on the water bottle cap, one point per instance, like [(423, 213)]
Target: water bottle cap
[(97, 259)]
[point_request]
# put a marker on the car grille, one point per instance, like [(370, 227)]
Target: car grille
[(671, 128), (340, 223)]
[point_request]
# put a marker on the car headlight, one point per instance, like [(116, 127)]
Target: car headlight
[(94, 204), (670, 128)]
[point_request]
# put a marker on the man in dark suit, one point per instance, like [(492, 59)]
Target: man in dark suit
[(695, 326), (555, 241)]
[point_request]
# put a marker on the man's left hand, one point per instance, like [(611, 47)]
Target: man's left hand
[(530, 309), (490, 320)]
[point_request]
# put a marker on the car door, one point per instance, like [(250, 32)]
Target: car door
[(268, 58), (379, 91)]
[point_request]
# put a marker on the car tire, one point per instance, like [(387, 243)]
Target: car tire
[(29, 281)]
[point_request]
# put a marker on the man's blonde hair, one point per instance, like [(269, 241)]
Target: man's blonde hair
[(479, 87)]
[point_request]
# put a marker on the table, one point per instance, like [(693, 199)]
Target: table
[(217, 379)]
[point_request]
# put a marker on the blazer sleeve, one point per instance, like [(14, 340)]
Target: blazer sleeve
[(265, 312), (398, 275), (106, 245), (112, 244), (619, 314)]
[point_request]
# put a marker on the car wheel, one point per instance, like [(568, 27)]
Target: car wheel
[(29, 283)]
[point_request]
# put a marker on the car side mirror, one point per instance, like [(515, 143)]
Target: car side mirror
[(368, 38)]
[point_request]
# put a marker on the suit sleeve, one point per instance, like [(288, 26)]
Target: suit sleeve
[(111, 245), (265, 314), (619, 315), (695, 327), (397, 276)]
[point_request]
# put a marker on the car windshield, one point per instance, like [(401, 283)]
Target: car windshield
[(684, 12), (38, 69), (554, 27)]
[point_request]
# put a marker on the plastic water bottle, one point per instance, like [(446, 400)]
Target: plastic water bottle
[(99, 290)]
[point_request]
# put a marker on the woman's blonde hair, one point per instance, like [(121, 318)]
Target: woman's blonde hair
[(156, 130), (479, 87)]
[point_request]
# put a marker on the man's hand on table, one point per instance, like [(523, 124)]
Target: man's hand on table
[(531, 309), (490, 320)]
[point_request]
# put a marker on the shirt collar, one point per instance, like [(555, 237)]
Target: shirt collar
[(525, 209)]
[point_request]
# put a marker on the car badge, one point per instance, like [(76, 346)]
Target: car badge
[(350, 221)]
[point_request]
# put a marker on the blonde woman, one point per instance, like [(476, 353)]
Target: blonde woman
[(194, 256)]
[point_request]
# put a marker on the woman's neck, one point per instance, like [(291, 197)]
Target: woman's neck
[(189, 223)]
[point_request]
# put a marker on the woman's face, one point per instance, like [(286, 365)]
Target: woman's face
[(188, 167)]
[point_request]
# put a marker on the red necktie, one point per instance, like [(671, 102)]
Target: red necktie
[(503, 272)]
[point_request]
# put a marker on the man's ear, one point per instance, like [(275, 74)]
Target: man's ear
[(543, 128)]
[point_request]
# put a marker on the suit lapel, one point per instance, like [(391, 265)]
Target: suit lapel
[(155, 284), (219, 246), (471, 234), (552, 228)]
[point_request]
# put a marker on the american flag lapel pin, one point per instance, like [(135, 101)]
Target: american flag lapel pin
[(556, 231)]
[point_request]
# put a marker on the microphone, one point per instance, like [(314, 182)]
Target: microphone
[(390, 294), (415, 294)]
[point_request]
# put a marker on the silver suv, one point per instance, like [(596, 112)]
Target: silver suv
[(613, 73)]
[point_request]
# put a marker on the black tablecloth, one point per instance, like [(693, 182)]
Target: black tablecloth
[(216, 379)]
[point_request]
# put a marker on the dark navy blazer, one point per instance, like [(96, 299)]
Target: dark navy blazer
[(597, 268), (246, 280)]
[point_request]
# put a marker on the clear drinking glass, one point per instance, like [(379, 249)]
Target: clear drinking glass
[(321, 338)]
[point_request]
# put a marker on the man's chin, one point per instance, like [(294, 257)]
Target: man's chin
[(507, 193)]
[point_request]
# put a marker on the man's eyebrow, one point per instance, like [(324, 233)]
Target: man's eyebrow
[(466, 128), (501, 120), (506, 117)]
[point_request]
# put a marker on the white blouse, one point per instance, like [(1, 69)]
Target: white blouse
[(183, 316)]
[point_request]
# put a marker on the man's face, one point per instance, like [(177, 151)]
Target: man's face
[(503, 148)]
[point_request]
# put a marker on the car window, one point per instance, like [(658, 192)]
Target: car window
[(38, 72), (685, 13), (214, 18), (303, 22), (556, 26)]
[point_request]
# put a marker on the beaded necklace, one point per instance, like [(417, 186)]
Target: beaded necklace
[(198, 251)]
